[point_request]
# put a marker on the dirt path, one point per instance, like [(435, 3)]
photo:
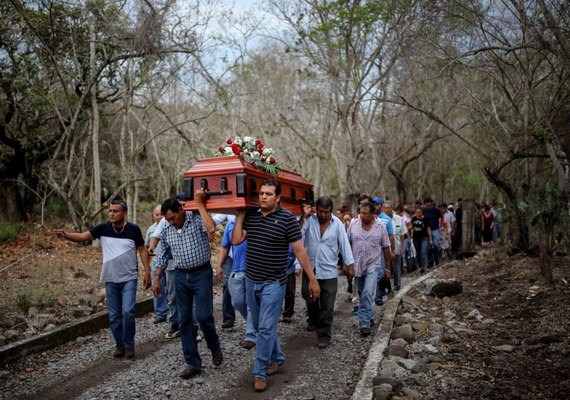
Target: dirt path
[(87, 371)]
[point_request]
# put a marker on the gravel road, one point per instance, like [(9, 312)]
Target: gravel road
[(84, 369)]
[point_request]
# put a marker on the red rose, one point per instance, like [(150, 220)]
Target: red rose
[(258, 142), (229, 141), (262, 159), (221, 149), (236, 149), (272, 160)]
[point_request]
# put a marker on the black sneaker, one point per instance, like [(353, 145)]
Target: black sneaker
[(365, 331), (159, 319), (174, 332), (228, 324)]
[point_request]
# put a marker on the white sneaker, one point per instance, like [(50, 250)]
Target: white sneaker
[(174, 333)]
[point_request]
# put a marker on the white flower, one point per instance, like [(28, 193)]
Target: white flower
[(228, 151), (267, 151), (237, 140), (248, 139), (255, 154)]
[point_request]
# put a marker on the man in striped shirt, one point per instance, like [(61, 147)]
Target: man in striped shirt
[(268, 231)]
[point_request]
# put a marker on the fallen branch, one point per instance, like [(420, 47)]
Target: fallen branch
[(15, 262)]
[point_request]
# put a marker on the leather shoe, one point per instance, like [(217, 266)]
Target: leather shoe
[(130, 353), (217, 358), (189, 373), (227, 324), (365, 331), (323, 345), (259, 384), (118, 353), (272, 369), (247, 344)]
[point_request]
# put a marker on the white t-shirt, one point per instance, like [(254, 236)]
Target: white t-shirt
[(400, 229), (450, 219)]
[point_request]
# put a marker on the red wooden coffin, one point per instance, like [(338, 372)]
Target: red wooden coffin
[(232, 184)]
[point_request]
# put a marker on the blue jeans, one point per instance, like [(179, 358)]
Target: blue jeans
[(496, 230), (236, 286), (160, 303), (435, 250), (421, 246), (366, 286), (228, 311), (171, 290), (265, 300), (379, 293), (195, 288), (121, 298)]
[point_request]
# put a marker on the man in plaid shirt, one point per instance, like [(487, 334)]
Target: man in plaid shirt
[(369, 240)]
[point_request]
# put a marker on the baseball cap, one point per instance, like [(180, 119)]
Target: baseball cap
[(378, 200), (181, 196)]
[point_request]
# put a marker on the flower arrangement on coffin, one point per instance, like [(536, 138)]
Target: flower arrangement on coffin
[(253, 151)]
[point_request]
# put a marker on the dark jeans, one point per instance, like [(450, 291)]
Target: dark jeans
[(228, 311), (195, 288), (434, 250), (395, 267), (321, 310), (289, 308)]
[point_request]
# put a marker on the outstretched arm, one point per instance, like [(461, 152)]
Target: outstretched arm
[(73, 236)]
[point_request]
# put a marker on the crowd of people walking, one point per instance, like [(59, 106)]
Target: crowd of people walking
[(262, 254)]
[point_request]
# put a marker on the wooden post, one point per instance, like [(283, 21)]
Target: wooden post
[(468, 229)]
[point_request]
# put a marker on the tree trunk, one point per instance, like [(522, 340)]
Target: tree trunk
[(95, 126), (519, 223), (12, 209)]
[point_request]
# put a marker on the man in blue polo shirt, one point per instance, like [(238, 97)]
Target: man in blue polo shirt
[(268, 231), (236, 280)]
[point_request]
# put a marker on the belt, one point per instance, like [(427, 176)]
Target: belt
[(195, 269)]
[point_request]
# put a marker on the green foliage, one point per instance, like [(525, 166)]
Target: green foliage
[(469, 181), (344, 17), (9, 232), (546, 213), (41, 299), (48, 299), (56, 207), (24, 300)]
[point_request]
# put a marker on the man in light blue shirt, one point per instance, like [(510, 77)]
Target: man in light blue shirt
[(324, 238)]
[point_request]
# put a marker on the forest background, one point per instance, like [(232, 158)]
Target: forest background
[(398, 98)]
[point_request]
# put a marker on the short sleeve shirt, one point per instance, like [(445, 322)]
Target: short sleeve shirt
[(419, 227), (119, 251), (268, 241)]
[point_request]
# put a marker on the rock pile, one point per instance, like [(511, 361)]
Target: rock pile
[(413, 358)]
